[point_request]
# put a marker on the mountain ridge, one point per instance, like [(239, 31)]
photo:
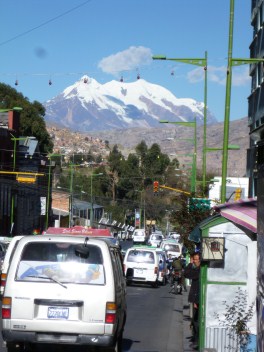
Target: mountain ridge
[(90, 106)]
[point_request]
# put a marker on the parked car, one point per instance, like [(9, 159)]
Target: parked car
[(155, 239), (72, 290), (141, 265), (172, 247), (139, 236)]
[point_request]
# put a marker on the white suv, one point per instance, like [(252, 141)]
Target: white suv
[(64, 289), (141, 265), (139, 236)]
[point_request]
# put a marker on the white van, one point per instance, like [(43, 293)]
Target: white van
[(64, 289), (141, 265), (172, 247), (139, 236)]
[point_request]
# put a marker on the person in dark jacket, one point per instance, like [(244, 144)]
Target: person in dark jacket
[(192, 272)]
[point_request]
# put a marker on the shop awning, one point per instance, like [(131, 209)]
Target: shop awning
[(242, 213)]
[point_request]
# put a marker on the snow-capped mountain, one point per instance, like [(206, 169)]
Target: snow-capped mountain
[(90, 106)]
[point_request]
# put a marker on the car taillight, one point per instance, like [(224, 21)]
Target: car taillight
[(156, 270), (110, 313), (124, 268), (6, 307), (3, 280)]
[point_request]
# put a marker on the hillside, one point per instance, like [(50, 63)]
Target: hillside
[(171, 138)]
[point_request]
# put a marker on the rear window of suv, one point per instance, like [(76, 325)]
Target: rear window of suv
[(42, 261), (141, 257)]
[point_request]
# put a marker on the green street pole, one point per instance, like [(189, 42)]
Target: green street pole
[(231, 62), (194, 171), (196, 62), (15, 108), (48, 199), (91, 217), (227, 103), (205, 125), (15, 139), (49, 184), (71, 196)]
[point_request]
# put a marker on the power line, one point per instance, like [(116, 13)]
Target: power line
[(44, 23)]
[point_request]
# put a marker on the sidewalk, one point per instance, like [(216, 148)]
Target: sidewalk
[(187, 344)]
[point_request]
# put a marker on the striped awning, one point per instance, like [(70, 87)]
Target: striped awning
[(242, 213)]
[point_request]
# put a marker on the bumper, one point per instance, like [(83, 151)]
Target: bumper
[(57, 338)]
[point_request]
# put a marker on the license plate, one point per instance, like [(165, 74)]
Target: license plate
[(139, 271), (58, 313)]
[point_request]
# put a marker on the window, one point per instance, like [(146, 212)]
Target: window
[(141, 257), (41, 261)]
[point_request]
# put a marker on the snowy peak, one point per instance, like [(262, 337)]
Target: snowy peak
[(89, 106)]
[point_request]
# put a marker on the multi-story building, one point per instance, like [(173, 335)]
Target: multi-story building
[(255, 157), (256, 98)]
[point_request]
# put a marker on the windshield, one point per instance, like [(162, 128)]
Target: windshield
[(60, 263)]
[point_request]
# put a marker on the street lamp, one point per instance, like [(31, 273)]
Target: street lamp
[(231, 62), (92, 176), (194, 163), (197, 62)]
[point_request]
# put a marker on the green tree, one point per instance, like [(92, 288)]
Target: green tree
[(184, 220), (32, 121)]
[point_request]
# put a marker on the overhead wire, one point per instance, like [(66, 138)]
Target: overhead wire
[(44, 23)]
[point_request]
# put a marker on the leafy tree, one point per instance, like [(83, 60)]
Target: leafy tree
[(31, 117), (185, 220), (115, 159)]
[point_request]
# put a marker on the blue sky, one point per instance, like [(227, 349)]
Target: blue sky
[(63, 40)]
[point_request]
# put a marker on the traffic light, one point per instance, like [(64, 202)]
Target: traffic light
[(238, 194), (155, 186)]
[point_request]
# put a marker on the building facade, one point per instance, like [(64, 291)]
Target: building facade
[(255, 157), (25, 205)]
